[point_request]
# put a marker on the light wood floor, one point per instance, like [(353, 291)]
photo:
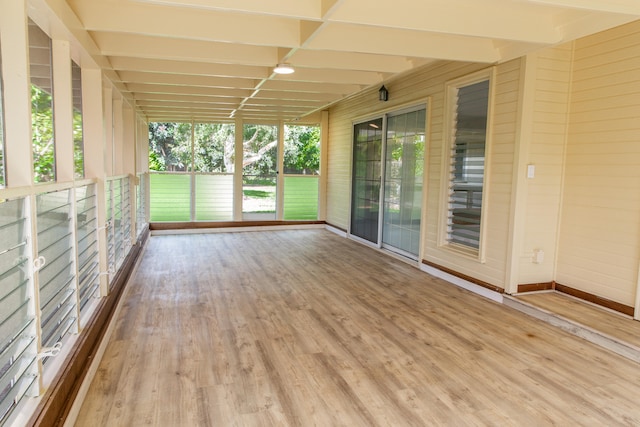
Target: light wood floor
[(305, 328), (613, 324)]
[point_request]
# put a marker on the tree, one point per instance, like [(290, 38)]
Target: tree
[(302, 150), (169, 146), (42, 135)]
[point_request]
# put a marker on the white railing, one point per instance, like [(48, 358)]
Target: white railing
[(50, 272)]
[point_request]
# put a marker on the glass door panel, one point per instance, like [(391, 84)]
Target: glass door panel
[(404, 169), (259, 171), (367, 164)]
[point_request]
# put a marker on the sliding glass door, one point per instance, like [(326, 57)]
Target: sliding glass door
[(404, 168), (367, 173), (386, 201)]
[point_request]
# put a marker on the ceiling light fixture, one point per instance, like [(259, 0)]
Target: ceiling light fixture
[(284, 69)]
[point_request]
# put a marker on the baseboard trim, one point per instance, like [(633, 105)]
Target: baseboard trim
[(491, 292), (55, 405), (604, 302), (533, 287), (199, 225), (463, 276)]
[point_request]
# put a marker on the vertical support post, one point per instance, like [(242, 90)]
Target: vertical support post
[(237, 175), (280, 173), (15, 74), (324, 156)]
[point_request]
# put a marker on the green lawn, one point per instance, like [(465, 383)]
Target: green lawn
[(170, 197)]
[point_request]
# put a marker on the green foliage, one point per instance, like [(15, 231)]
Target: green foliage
[(42, 134), (302, 150), (78, 144), (260, 147), (214, 147), (171, 145)]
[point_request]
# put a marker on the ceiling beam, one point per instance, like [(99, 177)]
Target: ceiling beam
[(142, 46), (389, 41), (514, 21), (182, 80), (188, 67), (187, 90), (185, 23), (302, 9), (625, 7)]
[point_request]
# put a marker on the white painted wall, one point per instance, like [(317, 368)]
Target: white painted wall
[(599, 244)]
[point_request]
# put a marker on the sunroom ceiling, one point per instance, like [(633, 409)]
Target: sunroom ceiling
[(211, 60)]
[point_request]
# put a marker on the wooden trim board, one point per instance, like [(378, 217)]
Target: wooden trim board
[(613, 305), (532, 287), (465, 277), (58, 399)]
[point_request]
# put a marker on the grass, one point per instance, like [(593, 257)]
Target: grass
[(170, 197)]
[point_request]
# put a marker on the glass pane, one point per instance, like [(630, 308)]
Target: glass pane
[(259, 171), (302, 150), (78, 141), (87, 244), (117, 223), (17, 321), (141, 196), (170, 147), (214, 147), (41, 71), (170, 197), (214, 197), (301, 197), (365, 198), (57, 277), (467, 164), (2, 167), (403, 181), (111, 254)]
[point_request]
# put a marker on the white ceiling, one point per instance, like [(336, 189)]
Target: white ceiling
[(211, 60)]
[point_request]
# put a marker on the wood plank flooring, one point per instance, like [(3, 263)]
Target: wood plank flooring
[(305, 328), (613, 324)]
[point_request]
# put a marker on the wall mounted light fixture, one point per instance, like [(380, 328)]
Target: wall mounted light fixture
[(383, 94)]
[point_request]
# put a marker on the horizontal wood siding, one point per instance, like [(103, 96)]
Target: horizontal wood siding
[(599, 243), (415, 88), (552, 74)]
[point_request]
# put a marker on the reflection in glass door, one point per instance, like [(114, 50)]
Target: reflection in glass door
[(259, 171), (365, 193), (404, 169)]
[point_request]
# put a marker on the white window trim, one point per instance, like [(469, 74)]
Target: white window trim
[(450, 87)]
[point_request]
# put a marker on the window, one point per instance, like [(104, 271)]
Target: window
[(41, 71), (469, 105), (301, 169), (78, 141), (170, 147), (18, 348), (214, 163), (214, 147)]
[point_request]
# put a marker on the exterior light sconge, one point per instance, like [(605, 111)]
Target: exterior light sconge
[(284, 69), (383, 94)]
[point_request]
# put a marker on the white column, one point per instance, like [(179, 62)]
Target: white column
[(324, 156), (237, 176), (280, 173), (15, 74)]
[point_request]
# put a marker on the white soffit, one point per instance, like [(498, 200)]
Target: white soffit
[(213, 59)]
